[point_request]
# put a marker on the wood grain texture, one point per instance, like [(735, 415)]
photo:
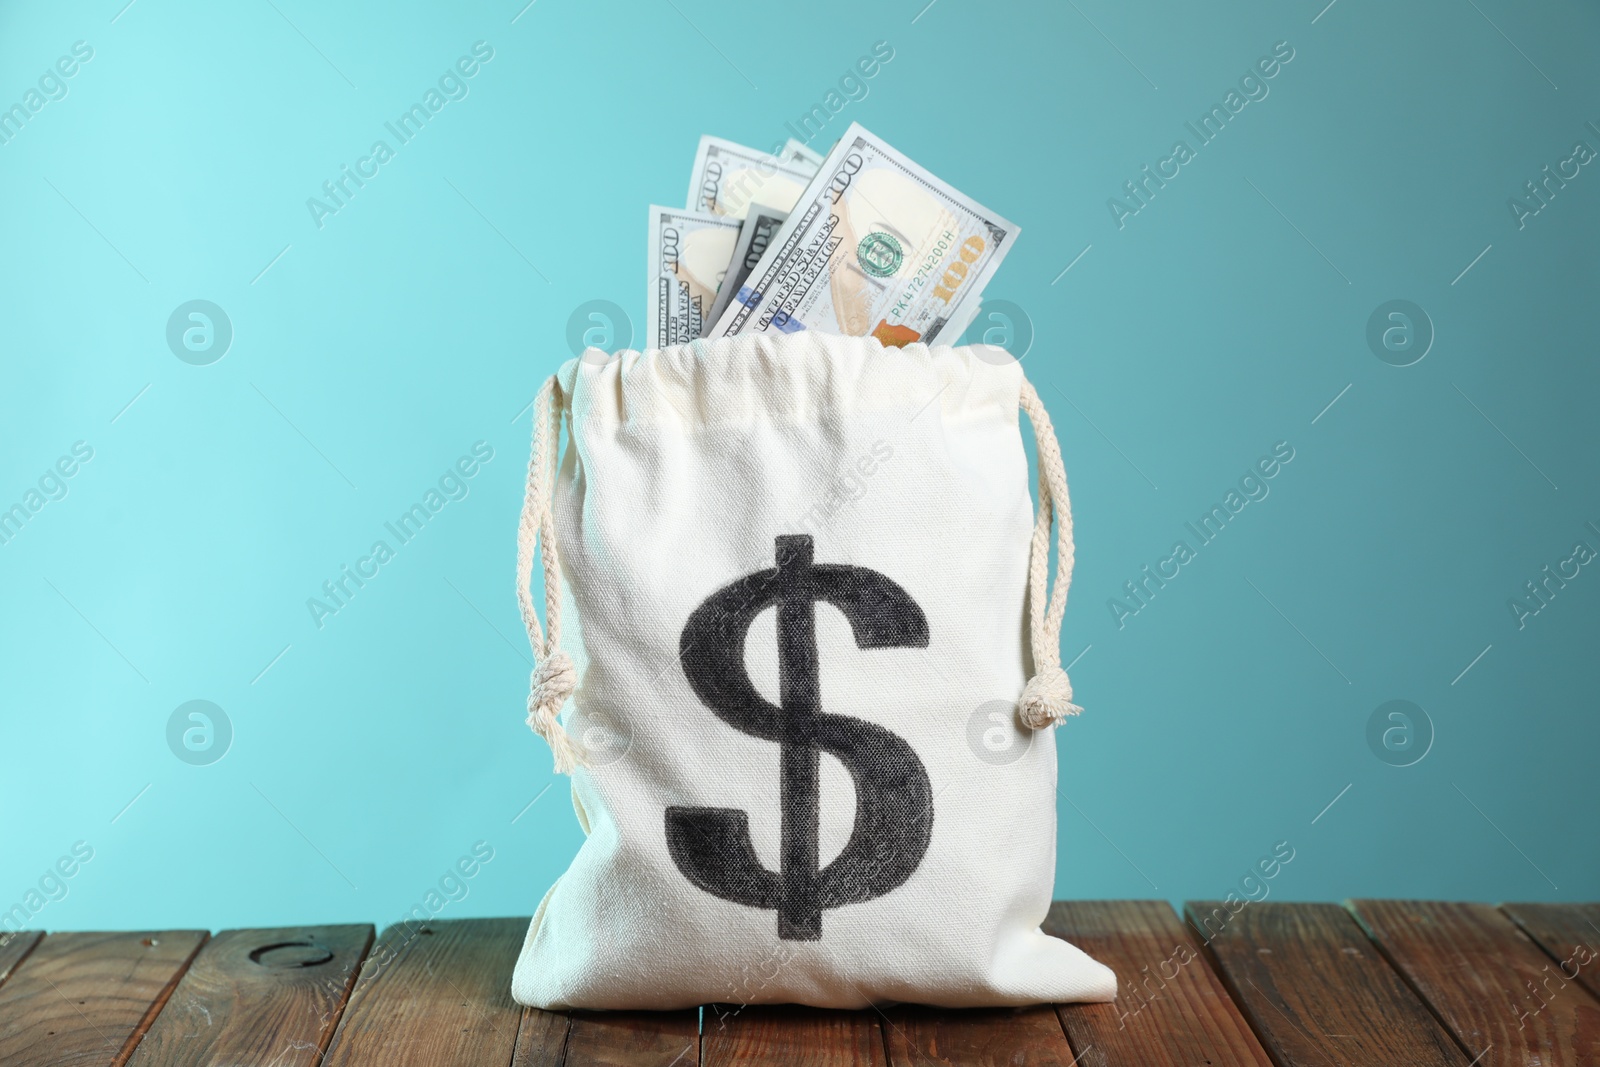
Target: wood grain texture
[(14, 948), (1316, 990), (84, 1000), (996, 1037), (1569, 932), (258, 996), (786, 1036), (1171, 1008), (541, 1039), (1500, 996), (434, 995), (634, 1039)]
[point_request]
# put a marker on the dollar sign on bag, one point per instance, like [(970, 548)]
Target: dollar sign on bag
[(894, 801)]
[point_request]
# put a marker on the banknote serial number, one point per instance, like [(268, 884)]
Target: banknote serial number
[(956, 273)]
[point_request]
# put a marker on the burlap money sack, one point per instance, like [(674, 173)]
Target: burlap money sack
[(813, 670)]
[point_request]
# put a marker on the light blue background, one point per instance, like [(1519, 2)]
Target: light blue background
[(371, 353)]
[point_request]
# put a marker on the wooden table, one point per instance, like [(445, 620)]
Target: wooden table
[(1377, 982)]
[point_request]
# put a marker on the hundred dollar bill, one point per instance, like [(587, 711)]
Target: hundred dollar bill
[(761, 225), (689, 253), (875, 246), (728, 176), (802, 154), (961, 320)]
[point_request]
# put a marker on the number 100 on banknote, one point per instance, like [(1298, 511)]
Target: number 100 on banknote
[(875, 246)]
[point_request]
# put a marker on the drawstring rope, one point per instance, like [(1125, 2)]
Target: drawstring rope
[(1047, 698), (555, 677)]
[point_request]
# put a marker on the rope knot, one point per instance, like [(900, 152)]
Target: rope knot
[(1047, 699), (554, 680)]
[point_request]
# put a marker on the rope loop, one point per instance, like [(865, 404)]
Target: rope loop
[(555, 677), (1047, 698)]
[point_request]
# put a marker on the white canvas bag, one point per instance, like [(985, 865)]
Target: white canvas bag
[(814, 670)]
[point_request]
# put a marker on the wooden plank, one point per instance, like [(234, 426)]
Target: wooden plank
[(84, 1000), (1479, 973), (14, 948), (1171, 1008), (1569, 932), (988, 1037), (634, 1039), (790, 1036), (1315, 989), (434, 994), (258, 996), (541, 1039)]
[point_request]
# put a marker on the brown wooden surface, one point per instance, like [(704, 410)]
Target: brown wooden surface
[(1473, 966), (434, 995), (1414, 983), (979, 1037), (14, 948), (763, 1036), (1316, 990), (541, 1039), (1568, 932), (1171, 1008), (258, 996), (84, 1000), (634, 1039)]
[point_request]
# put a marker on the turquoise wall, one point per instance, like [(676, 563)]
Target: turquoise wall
[(1239, 312)]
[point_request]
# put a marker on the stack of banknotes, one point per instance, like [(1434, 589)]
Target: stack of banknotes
[(861, 242)]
